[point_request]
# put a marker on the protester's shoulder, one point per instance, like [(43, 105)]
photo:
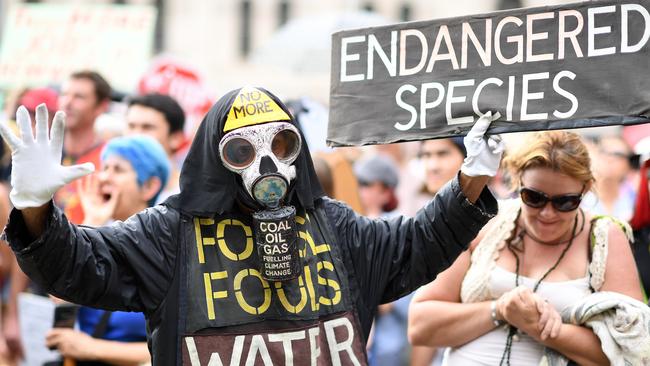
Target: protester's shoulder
[(335, 209), (334, 204), (161, 209), (159, 215)]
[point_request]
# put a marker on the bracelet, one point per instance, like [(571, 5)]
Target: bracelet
[(493, 314)]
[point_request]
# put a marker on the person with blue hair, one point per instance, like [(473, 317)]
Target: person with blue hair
[(134, 170)]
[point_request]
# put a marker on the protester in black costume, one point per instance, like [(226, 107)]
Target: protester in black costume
[(196, 264)]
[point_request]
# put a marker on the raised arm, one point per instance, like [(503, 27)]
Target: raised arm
[(402, 254), (108, 267), (34, 218), (483, 158), (415, 250)]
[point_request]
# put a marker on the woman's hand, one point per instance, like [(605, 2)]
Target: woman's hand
[(71, 343), (530, 313), (550, 320), (11, 330), (518, 308), (82, 347)]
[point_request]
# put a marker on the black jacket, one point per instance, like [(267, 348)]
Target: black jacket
[(195, 277)]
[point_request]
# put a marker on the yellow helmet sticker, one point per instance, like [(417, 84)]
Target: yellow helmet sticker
[(252, 106)]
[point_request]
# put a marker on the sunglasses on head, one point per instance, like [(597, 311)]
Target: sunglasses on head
[(562, 203)]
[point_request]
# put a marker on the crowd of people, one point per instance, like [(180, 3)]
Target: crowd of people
[(135, 170), (572, 233)]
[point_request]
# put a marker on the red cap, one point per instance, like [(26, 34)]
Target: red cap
[(34, 97)]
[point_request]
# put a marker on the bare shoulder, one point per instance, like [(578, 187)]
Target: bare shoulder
[(617, 235), (618, 276)]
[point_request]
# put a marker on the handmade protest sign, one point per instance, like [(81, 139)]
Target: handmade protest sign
[(43, 43), (576, 65)]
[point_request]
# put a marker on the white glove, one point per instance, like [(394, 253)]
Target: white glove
[(483, 152), (36, 163)]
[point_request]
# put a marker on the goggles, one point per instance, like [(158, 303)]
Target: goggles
[(562, 203), (239, 148)]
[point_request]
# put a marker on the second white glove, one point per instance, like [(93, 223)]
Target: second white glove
[(483, 152), (37, 172)]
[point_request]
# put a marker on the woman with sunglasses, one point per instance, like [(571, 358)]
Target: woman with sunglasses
[(499, 302)]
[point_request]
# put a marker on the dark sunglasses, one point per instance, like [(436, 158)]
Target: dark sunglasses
[(562, 203)]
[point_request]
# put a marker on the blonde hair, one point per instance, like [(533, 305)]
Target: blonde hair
[(560, 151)]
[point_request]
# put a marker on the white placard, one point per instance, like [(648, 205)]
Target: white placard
[(35, 315)]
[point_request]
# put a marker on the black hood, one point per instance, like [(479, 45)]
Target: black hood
[(208, 188)]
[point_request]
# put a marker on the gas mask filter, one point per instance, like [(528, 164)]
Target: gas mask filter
[(262, 155)]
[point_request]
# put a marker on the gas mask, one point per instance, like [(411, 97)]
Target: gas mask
[(262, 155)]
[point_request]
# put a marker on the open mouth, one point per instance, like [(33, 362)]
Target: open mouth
[(106, 191)]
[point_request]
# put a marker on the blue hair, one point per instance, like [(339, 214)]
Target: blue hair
[(146, 155)]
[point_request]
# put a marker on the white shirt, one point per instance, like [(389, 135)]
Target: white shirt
[(488, 348)]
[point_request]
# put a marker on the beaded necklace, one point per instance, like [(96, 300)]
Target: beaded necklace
[(512, 330)]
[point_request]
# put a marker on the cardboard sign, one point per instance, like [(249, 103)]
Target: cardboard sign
[(577, 65), (43, 43)]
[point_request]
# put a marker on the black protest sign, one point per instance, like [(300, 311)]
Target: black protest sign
[(577, 65)]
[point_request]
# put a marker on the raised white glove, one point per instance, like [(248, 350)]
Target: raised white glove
[(483, 152), (36, 171)]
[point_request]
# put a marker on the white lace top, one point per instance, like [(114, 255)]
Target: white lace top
[(475, 284), (485, 280), (488, 348)]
